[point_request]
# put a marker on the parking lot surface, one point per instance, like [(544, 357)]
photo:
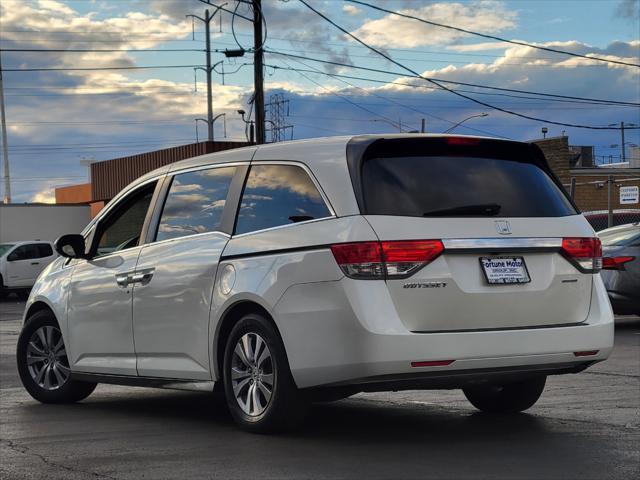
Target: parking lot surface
[(585, 426)]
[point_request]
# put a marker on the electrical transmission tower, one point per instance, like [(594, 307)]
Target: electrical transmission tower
[(278, 110)]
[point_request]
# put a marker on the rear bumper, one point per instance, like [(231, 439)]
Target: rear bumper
[(450, 379), (332, 339)]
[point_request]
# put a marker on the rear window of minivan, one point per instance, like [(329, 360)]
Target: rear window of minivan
[(464, 186)]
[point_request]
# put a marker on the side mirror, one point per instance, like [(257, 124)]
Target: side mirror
[(71, 246)]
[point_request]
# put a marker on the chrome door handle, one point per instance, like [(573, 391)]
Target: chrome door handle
[(122, 279), (142, 277)]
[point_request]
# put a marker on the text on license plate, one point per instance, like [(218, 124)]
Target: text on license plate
[(500, 270)]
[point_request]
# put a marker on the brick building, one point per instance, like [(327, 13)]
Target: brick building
[(108, 177), (590, 190)]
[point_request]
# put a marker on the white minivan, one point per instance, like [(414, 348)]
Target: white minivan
[(21, 263), (317, 269)]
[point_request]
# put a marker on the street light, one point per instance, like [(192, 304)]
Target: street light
[(251, 126), (212, 122), (468, 118)]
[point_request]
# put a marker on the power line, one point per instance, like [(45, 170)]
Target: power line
[(440, 87), (406, 106), (102, 50), (413, 85), (104, 122), (355, 104), (82, 69), (483, 35), (142, 50), (408, 50), (479, 102)]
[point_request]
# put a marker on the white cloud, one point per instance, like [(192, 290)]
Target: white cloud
[(45, 196), (392, 31), (351, 10)]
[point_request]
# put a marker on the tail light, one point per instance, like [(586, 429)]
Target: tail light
[(359, 260), (583, 252), (379, 260), (615, 263)]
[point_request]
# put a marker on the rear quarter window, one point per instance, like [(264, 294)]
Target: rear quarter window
[(420, 186), (276, 195)]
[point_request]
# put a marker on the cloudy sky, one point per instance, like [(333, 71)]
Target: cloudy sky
[(58, 118)]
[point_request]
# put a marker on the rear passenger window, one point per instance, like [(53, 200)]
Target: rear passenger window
[(277, 195), (44, 250), (195, 203)]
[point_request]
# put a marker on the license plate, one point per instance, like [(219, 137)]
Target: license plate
[(501, 270)]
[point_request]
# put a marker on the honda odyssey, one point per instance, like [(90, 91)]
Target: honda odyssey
[(313, 270)]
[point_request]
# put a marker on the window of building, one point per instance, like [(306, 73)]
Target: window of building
[(277, 195), (195, 203)]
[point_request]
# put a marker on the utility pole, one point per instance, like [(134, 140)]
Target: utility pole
[(624, 159), (5, 147), (258, 71), (623, 156), (610, 186), (209, 86), (423, 127), (208, 69)]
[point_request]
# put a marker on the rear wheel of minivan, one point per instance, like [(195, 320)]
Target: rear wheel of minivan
[(507, 398), (43, 364), (260, 391)]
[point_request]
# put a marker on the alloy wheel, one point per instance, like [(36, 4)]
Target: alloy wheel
[(47, 360), (252, 374)]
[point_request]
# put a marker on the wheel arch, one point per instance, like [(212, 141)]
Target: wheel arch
[(228, 319), (38, 306)]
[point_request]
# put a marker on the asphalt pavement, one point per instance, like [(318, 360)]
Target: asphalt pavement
[(585, 426)]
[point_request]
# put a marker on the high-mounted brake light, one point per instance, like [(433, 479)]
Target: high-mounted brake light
[(389, 259), (584, 252), (462, 141), (615, 263)]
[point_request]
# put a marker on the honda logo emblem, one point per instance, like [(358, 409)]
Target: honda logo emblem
[(503, 227)]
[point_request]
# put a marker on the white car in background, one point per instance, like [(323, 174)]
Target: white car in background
[(313, 270), (21, 263)]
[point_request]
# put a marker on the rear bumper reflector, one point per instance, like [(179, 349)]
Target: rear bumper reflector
[(432, 363), (587, 353)]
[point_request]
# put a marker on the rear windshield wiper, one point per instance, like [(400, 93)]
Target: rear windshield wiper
[(484, 209)]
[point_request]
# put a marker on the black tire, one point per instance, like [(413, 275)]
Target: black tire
[(508, 398), (69, 390), (286, 408)]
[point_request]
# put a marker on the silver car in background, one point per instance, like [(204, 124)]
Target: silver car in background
[(621, 267)]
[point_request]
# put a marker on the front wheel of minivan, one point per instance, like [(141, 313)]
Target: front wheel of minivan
[(507, 398), (260, 391), (43, 364)]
